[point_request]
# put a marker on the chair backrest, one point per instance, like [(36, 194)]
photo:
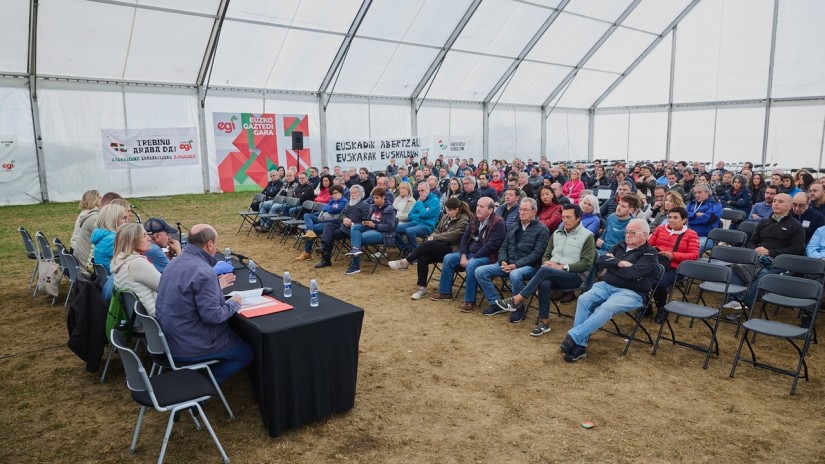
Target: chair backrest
[(308, 205), (155, 339), (292, 201), (136, 378), (31, 250), (129, 300), (318, 207), (802, 265), (704, 271), (59, 247), (747, 227), (736, 238), (45, 249), (734, 215), (794, 287), (101, 273), (734, 255), (69, 263), (279, 199), (259, 197)]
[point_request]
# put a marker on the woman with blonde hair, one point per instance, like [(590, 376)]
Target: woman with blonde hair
[(81, 241), (111, 217), (673, 199), (404, 202), (133, 271), (573, 187)]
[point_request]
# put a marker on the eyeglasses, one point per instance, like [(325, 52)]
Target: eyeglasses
[(632, 233), (800, 205)]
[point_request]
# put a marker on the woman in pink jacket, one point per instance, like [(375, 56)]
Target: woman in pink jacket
[(573, 187)]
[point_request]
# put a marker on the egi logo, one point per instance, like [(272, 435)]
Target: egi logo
[(118, 147), (8, 166), (228, 127), (186, 146)]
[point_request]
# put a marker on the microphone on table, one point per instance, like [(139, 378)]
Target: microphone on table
[(239, 256)]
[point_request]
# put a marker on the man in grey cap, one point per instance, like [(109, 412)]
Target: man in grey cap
[(164, 247)]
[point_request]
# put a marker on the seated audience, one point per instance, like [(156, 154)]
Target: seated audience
[(315, 223), (549, 208), (673, 199), (192, 311), (356, 211), (704, 214), (111, 217), (631, 268), (764, 209), (810, 219), (469, 194), (609, 207), (323, 195), (677, 243), (484, 189), (80, 242), (573, 187), (404, 202), (567, 259), (616, 223), (817, 194), (422, 219), (378, 227), (590, 220), (163, 247), (738, 197), (479, 246), (518, 258), (131, 270), (509, 209), (445, 239)]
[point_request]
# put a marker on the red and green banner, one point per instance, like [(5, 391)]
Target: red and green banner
[(249, 145)]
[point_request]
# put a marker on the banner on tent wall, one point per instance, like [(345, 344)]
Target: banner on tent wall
[(456, 146), (248, 145), (150, 148), (375, 151), (9, 155)]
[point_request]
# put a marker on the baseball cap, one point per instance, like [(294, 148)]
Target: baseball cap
[(155, 225)]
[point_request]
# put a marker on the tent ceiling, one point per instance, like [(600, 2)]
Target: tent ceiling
[(403, 49)]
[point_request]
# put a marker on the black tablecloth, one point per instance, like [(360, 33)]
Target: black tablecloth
[(306, 359)]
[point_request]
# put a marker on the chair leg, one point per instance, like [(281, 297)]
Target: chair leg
[(224, 457), (106, 366), (169, 424), (220, 393), (133, 448), (68, 293), (34, 274)]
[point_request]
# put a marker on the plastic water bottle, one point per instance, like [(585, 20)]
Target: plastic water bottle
[(183, 241), (253, 278), (313, 293), (287, 285), (227, 255)]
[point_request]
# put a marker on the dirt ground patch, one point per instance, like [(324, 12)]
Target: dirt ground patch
[(434, 384)]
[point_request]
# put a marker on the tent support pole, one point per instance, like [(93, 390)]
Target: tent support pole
[(770, 82), (32, 72)]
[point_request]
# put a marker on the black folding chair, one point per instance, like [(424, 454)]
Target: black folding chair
[(637, 315), (250, 216), (785, 292), (709, 273), (748, 227), (735, 216), (32, 253)]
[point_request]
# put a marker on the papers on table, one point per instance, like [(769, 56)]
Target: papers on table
[(255, 306)]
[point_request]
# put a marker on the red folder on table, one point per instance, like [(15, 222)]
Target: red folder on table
[(269, 307)]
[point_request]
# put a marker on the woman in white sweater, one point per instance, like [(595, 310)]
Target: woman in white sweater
[(403, 202), (133, 271)]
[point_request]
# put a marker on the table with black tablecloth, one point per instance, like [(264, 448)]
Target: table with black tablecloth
[(306, 359)]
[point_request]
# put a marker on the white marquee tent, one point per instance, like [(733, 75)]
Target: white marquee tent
[(704, 80)]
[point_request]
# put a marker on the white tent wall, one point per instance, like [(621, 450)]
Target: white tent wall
[(225, 101), (19, 184), (796, 135), (632, 135), (515, 131), (363, 119), (567, 134), (72, 116), (460, 120)]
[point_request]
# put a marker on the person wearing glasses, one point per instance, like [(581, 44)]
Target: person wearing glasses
[(631, 267), (810, 219), (421, 220)]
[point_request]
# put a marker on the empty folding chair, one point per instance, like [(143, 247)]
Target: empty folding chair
[(709, 273), (250, 216), (72, 269), (174, 391), (46, 253), (735, 216), (290, 226), (748, 227), (785, 292), (32, 253), (158, 349)]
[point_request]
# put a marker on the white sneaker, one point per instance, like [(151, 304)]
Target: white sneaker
[(398, 265), (732, 304), (421, 293)]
